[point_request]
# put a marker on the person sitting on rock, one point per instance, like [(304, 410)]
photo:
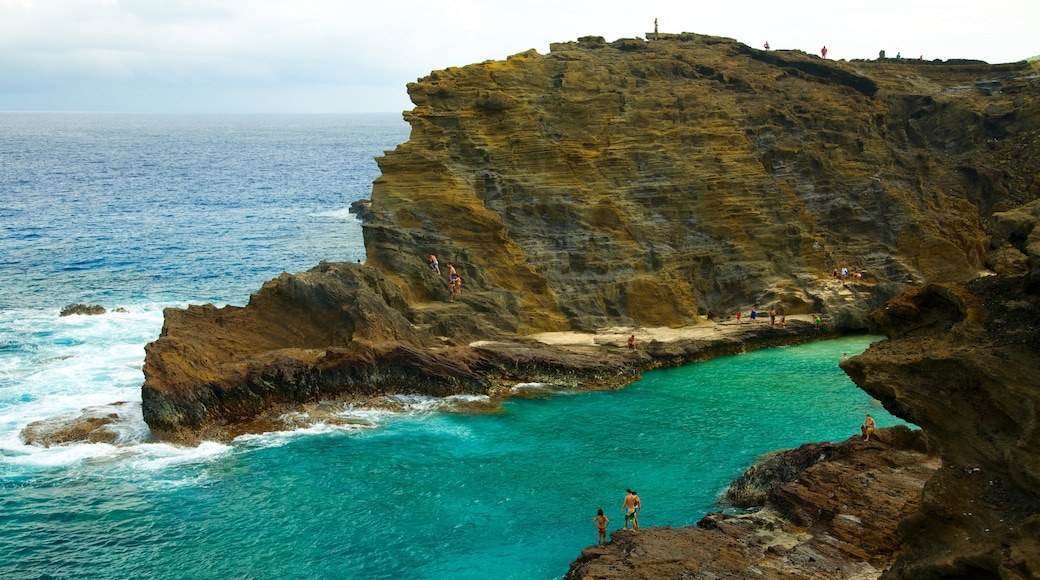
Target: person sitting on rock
[(868, 427), (632, 342)]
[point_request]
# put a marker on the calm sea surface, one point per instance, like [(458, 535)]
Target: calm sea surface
[(144, 212)]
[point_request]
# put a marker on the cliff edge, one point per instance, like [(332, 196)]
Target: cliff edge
[(628, 184)]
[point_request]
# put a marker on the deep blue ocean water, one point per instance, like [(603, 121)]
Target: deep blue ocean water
[(144, 212)]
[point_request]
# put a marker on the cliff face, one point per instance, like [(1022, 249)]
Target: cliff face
[(645, 183), (964, 364), (630, 184)]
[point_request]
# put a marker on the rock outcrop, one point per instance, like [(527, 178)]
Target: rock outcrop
[(625, 184), (667, 183), (963, 362), (823, 511), (647, 183), (343, 332)]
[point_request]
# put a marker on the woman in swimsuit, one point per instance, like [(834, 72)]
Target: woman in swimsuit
[(601, 522)]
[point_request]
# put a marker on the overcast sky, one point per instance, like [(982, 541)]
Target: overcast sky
[(317, 56)]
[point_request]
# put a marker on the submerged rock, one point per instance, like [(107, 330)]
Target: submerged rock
[(90, 310), (91, 425)]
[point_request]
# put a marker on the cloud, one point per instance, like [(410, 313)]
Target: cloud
[(51, 51)]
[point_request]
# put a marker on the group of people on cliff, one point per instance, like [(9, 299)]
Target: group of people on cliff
[(454, 280), (753, 316), (844, 275), (629, 508)]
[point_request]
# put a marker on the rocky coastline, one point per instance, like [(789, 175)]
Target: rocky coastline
[(654, 188), (957, 499)]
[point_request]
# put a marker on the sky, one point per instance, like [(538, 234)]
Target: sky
[(355, 56)]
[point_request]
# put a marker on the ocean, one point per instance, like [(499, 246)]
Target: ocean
[(145, 212)]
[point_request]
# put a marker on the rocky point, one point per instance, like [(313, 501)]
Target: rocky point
[(670, 182)]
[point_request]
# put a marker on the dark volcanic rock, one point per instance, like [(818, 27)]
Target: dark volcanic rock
[(964, 364), (72, 309), (343, 332), (828, 511), (91, 425)]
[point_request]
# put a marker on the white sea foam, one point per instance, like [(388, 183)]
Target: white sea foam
[(339, 214), (53, 366)]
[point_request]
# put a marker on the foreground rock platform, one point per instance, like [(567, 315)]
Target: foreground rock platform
[(963, 501), (828, 511)]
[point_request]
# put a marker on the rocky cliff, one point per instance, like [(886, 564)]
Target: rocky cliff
[(963, 362), (669, 183), (627, 184), (963, 501), (646, 183)]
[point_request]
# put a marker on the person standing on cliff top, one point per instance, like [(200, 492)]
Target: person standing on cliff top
[(601, 522), (823, 51), (434, 265), (630, 508)]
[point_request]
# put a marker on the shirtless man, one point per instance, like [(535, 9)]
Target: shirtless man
[(434, 265), (631, 509), (867, 427)]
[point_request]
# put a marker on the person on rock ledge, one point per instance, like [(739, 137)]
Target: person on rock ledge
[(601, 522), (632, 342), (868, 427), (630, 508), (434, 265)]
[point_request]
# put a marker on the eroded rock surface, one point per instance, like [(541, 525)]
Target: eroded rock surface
[(342, 332), (827, 511), (647, 183), (964, 364), (624, 184)]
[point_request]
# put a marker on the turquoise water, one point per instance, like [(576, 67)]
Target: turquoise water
[(428, 494), (145, 212)]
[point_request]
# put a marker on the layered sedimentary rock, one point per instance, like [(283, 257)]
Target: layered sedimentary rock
[(633, 183), (657, 183), (963, 362), (645, 182)]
